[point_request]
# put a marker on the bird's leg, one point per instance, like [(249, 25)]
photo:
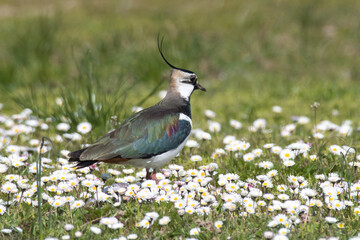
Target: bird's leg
[(153, 177), (148, 176)]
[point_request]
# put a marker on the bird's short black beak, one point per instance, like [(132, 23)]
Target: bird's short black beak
[(198, 86)]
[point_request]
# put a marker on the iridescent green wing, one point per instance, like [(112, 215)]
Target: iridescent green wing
[(143, 135)]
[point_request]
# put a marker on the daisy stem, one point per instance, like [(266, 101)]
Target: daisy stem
[(71, 216)]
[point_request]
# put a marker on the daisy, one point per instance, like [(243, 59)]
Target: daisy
[(77, 204), (268, 235), (276, 109), (280, 237), (6, 230), (73, 136), (59, 101), (259, 123), (189, 210), (132, 236), (334, 178), (280, 218), (335, 149), (164, 220), (283, 196), (58, 203), (229, 206), (318, 135), (218, 224), (243, 145), (235, 124), (293, 179), (320, 177), (196, 158), (108, 220), (44, 126), (248, 157), (283, 231), (262, 178), (250, 204), (144, 223), (266, 165), (9, 187), (289, 163), (354, 164), (201, 135), (148, 184), (272, 223), (209, 113), (192, 172), (230, 197), (287, 154), (203, 210), (338, 205), (13, 149), (180, 204), (195, 231), (345, 130), (95, 230), (348, 149), (257, 152), (303, 120), (330, 220), (272, 173), (268, 196), (129, 179), (356, 211), (68, 227), (231, 187), (192, 144), (340, 225), (2, 209), (268, 145), (222, 181), (214, 126), (276, 149), (355, 187), (308, 192), (63, 127), (282, 188), (229, 139), (152, 215), (3, 168), (128, 171), (231, 147)]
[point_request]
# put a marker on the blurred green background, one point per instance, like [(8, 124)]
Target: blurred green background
[(250, 55)]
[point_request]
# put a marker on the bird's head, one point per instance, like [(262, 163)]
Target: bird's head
[(182, 81)]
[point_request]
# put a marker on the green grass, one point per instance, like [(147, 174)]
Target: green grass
[(101, 58)]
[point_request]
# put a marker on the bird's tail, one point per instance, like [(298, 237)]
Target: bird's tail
[(75, 158), (82, 164)]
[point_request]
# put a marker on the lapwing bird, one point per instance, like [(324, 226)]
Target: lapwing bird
[(152, 137)]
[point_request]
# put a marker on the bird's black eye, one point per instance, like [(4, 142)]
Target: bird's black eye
[(193, 78)]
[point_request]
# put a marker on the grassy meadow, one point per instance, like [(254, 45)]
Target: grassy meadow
[(275, 158)]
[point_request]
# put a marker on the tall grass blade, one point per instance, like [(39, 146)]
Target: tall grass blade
[(38, 181)]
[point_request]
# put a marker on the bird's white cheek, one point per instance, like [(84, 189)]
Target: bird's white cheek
[(185, 90)]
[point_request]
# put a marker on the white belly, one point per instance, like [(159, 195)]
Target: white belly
[(159, 160)]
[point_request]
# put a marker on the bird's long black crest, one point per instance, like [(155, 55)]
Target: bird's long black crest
[(160, 44)]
